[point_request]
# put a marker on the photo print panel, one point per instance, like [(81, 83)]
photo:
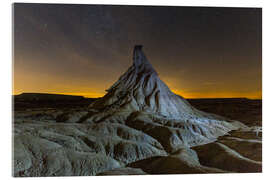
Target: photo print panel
[(134, 90)]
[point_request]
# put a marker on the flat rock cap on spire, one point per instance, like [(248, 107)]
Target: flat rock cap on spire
[(138, 47)]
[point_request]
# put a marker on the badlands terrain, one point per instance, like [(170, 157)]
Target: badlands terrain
[(138, 127)]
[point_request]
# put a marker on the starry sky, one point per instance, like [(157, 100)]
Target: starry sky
[(199, 52)]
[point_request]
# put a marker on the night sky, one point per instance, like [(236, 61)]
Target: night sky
[(83, 49)]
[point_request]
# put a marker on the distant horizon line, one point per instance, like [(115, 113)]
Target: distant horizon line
[(74, 94)]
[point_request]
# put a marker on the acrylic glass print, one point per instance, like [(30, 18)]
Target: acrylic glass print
[(132, 90)]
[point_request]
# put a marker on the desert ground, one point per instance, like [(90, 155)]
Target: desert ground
[(61, 146), (139, 127)]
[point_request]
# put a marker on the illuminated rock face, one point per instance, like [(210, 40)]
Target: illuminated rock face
[(142, 101), (140, 89)]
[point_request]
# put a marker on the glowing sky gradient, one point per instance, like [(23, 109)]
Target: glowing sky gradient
[(83, 49)]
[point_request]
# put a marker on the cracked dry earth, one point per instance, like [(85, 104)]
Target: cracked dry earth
[(138, 127)]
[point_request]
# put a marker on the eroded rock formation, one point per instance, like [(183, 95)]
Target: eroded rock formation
[(143, 101), (139, 127)]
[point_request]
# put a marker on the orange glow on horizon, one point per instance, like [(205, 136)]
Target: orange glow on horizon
[(186, 95), (86, 95), (198, 95), (96, 88)]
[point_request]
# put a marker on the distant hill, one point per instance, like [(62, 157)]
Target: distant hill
[(46, 100), (46, 96)]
